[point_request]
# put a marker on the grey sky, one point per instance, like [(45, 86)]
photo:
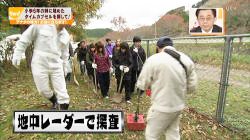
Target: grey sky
[(136, 12)]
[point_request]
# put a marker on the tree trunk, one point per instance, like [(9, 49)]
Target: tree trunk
[(28, 55)]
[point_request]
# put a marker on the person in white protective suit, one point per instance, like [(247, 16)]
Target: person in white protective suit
[(49, 58), (170, 74)]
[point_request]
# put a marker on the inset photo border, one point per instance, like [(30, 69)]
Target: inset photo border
[(207, 21)]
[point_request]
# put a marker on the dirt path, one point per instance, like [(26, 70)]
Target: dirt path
[(236, 77)]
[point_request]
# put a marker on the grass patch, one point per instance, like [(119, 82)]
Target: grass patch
[(237, 103), (212, 54)]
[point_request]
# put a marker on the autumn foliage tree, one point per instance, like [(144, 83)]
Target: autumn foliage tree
[(119, 24), (84, 9), (167, 25), (238, 19)]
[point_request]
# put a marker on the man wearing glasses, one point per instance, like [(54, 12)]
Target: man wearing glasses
[(206, 19)]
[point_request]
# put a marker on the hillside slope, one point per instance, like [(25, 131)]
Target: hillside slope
[(175, 22), (97, 33)]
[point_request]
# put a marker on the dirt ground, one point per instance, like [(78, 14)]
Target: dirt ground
[(236, 77)]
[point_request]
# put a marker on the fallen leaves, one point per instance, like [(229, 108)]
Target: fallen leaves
[(214, 127)]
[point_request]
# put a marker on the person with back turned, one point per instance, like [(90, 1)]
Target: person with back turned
[(170, 74)]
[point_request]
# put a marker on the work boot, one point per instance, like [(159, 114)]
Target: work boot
[(54, 102), (64, 106)]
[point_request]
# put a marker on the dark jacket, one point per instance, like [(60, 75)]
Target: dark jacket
[(115, 52), (122, 59), (216, 29), (137, 61), (89, 61), (81, 54)]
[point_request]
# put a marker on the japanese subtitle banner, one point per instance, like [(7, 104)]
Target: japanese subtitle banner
[(68, 121), (40, 15)]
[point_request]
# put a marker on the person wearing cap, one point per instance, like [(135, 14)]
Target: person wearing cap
[(138, 57), (171, 74)]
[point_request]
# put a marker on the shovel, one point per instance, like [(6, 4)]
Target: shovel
[(95, 81), (117, 98), (76, 69), (85, 72), (75, 80)]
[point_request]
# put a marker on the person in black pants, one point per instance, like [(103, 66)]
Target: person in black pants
[(139, 57), (103, 67), (116, 51), (123, 63), (89, 60), (81, 55)]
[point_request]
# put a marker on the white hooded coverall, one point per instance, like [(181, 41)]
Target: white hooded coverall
[(49, 56), (169, 84)]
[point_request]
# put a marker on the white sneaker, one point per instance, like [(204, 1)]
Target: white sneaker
[(129, 102), (107, 97)]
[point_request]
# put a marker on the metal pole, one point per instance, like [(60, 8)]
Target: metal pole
[(155, 30), (148, 50), (224, 80)]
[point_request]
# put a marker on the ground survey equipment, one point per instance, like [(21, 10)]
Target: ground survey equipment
[(136, 121)]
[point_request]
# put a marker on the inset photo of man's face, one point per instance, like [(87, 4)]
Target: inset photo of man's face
[(206, 21)]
